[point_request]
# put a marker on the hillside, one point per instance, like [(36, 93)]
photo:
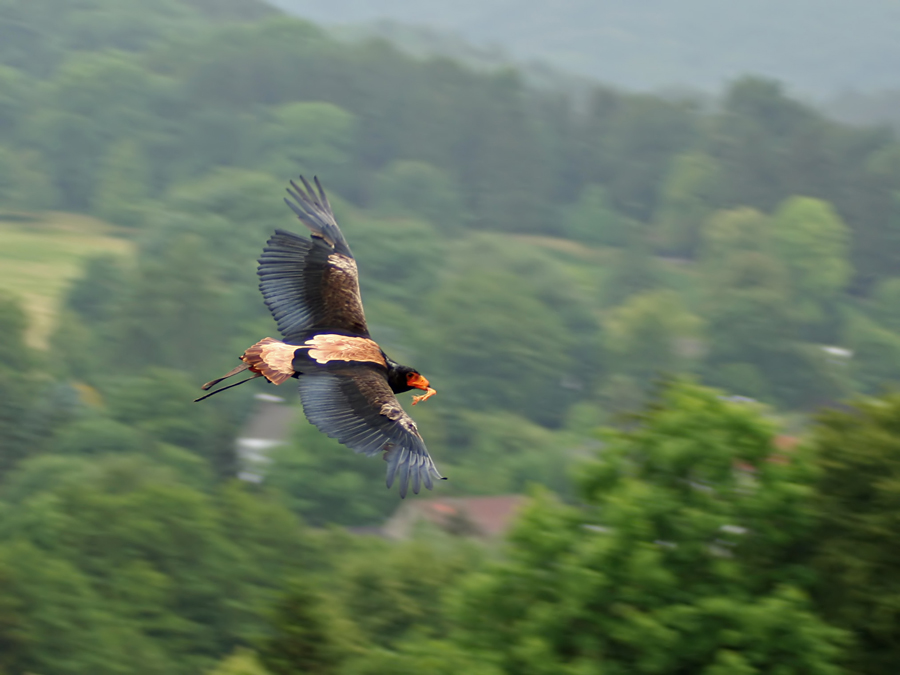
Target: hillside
[(40, 255)]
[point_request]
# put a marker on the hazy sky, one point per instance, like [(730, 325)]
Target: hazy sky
[(816, 46)]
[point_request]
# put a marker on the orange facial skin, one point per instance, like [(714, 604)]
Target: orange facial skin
[(416, 381)]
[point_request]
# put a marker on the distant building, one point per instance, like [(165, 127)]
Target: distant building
[(268, 427), (483, 517)]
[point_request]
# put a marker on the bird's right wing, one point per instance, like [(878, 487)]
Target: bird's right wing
[(311, 283), (356, 407)]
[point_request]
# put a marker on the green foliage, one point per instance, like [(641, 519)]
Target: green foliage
[(519, 452), (633, 271), (876, 353), (592, 221), (23, 182), (689, 195), (421, 656), (326, 482), (92, 101), (394, 590), (754, 325), (411, 188), (475, 204), (886, 301), (306, 638), (310, 138), (811, 240), (93, 295), (495, 331), (18, 389), (13, 323), (652, 334), (402, 255), (242, 662), (15, 94), (727, 233), (682, 561), (122, 567), (122, 185), (171, 311), (858, 502)]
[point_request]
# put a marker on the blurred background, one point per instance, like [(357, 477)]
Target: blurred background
[(648, 253)]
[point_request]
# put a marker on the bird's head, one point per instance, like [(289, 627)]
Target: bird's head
[(404, 378)]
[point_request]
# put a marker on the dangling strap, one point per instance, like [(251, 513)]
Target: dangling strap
[(252, 377), (238, 369)]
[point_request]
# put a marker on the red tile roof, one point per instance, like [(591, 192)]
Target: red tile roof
[(485, 516)]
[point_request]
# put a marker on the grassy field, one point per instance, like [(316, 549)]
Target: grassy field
[(40, 256)]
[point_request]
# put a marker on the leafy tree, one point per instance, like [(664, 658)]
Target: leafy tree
[(592, 221), (689, 196), (886, 298), (886, 303), (634, 271), (92, 101), (519, 451), (752, 325), (122, 184), (94, 294), (639, 136), (13, 324), (731, 232), (495, 334), (171, 310), (873, 211), (242, 662), (398, 258), (683, 559), (413, 188), (23, 182), (315, 474), (14, 100), (857, 503), (393, 591), (85, 335), (311, 138), (440, 657), (18, 390), (765, 143), (753, 336), (155, 403), (505, 179), (124, 567), (307, 637), (811, 240), (651, 334), (876, 353)]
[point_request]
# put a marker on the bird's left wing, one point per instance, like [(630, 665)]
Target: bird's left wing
[(311, 283), (356, 407)]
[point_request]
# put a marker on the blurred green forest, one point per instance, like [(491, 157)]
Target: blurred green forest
[(551, 267)]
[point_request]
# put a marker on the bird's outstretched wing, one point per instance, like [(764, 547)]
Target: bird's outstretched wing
[(357, 407), (311, 283)]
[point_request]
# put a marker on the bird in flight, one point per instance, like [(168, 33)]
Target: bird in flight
[(347, 383)]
